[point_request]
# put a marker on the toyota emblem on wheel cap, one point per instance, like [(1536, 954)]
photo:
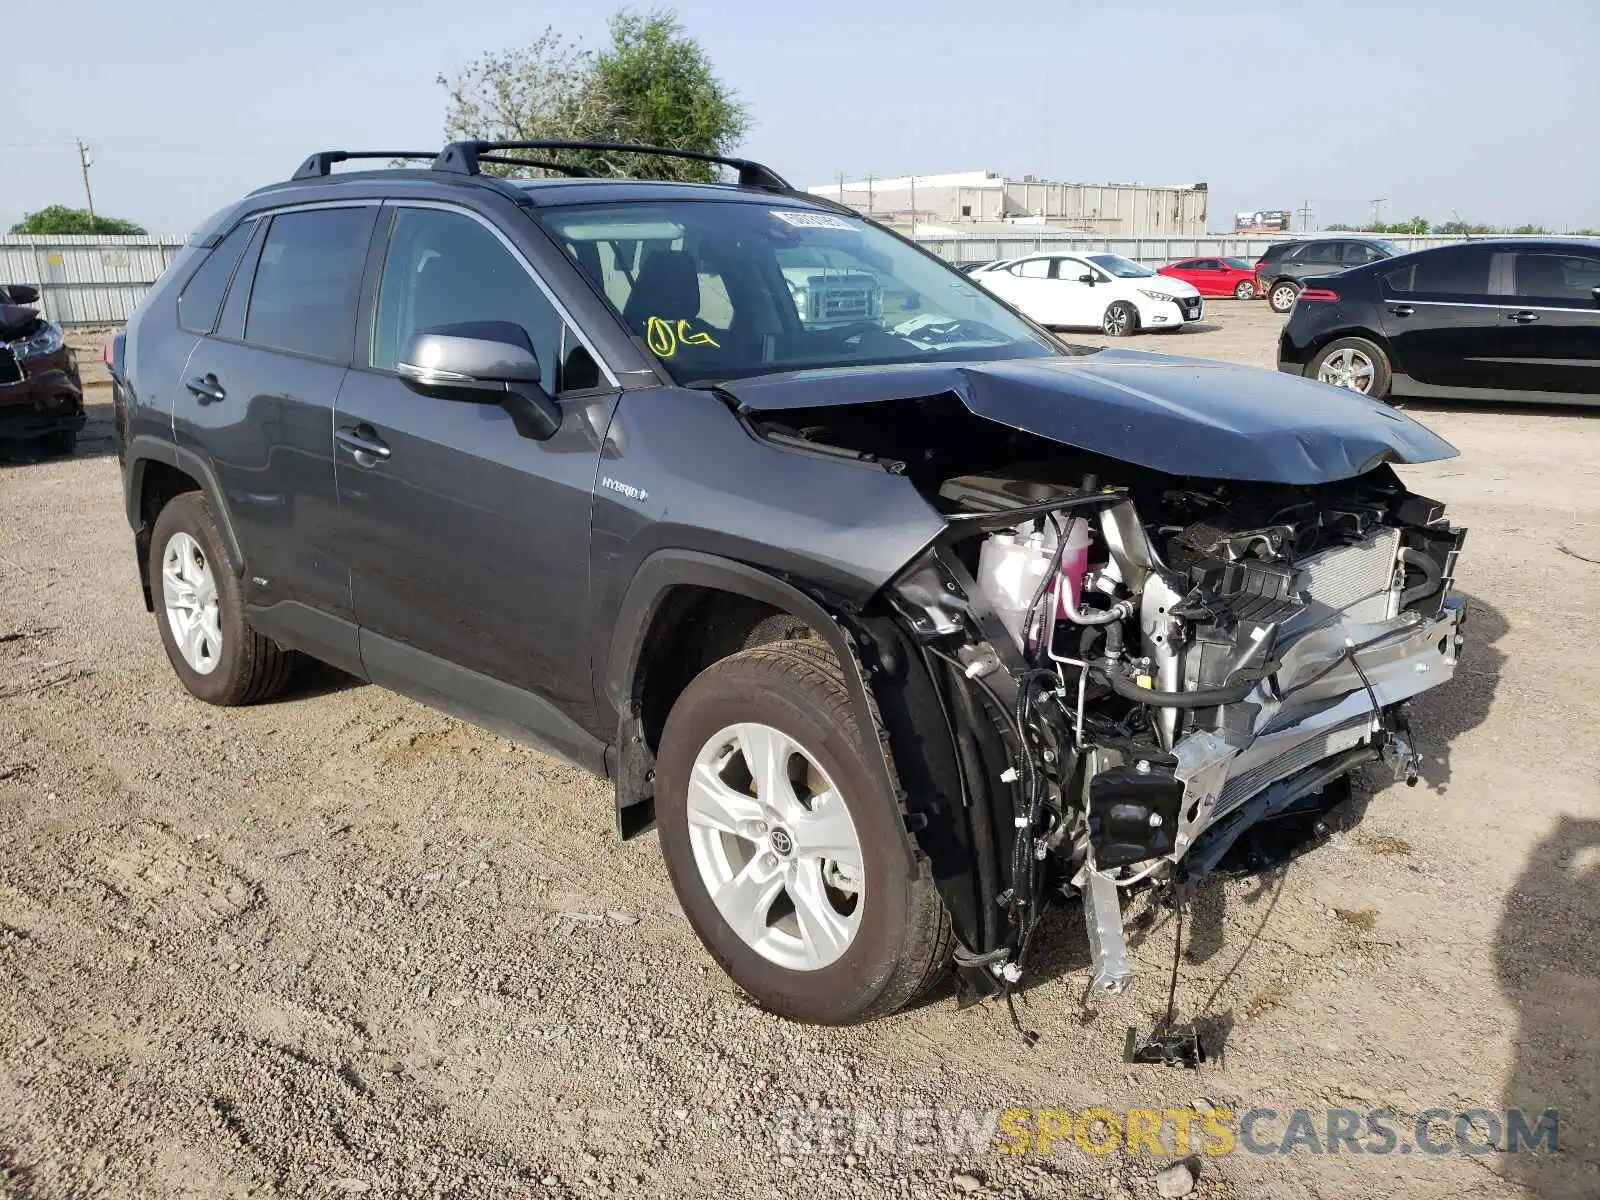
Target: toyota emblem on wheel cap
[(782, 843)]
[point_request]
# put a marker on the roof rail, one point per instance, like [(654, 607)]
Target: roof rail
[(321, 163), (544, 164), (462, 158)]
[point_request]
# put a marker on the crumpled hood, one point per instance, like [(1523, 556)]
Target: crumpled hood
[(1184, 416)]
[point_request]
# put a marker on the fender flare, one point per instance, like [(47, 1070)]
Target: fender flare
[(144, 449), (662, 571)]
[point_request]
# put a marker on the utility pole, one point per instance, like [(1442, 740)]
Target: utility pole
[(1377, 210), (913, 208), (83, 161), (1305, 216), (841, 187), (869, 195)]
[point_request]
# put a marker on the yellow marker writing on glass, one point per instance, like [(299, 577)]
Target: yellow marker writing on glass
[(664, 337)]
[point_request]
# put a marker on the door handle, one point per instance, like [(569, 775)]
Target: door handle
[(207, 388), (363, 440), (1524, 317), (1401, 310)]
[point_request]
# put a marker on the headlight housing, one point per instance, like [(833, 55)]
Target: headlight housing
[(1158, 295), (36, 345)]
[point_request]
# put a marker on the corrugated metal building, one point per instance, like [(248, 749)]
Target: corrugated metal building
[(984, 198)]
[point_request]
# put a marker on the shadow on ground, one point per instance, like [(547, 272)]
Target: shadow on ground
[(1547, 970)]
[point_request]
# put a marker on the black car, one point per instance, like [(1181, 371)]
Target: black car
[(1509, 319), (899, 617), (1285, 265)]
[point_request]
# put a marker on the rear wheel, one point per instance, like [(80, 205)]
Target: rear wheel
[(200, 612), (1353, 363), (1244, 290), (1282, 294), (1121, 319), (790, 861)]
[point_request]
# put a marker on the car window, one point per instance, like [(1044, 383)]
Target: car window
[(1280, 250), (1188, 264), (1071, 268), (1563, 278), (1205, 264), (201, 297), (1238, 264), (445, 268), (1322, 252), (727, 289), (304, 295), (1451, 271), (1032, 268), (1356, 253)]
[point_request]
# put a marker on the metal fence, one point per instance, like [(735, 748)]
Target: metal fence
[(1151, 250), (86, 280)]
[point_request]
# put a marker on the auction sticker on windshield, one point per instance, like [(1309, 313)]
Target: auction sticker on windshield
[(810, 220)]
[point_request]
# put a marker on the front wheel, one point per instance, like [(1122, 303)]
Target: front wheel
[(1245, 290), (1282, 295), (1121, 319), (790, 860), (1353, 363)]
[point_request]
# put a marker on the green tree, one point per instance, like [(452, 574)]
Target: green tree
[(58, 218), (659, 88), (652, 84), (1528, 229)]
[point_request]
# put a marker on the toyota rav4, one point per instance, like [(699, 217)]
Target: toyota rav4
[(896, 616)]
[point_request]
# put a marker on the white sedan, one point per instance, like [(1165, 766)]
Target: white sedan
[(1092, 291)]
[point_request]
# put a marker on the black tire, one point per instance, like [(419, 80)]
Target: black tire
[(59, 444), (1360, 348), (1244, 290), (903, 942), (1281, 295), (1121, 319), (249, 668)]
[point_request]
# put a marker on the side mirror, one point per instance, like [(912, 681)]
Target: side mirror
[(19, 293), (1086, 278), (482, 362)]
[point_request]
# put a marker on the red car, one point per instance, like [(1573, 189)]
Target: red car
[(1216, 276)]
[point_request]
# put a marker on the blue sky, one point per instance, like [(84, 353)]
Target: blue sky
[(1491, 109)]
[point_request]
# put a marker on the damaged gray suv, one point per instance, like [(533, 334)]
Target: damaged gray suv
[(897, 617)]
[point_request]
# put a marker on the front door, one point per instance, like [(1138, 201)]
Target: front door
[(1078, 303), (469, 542), (1441, 318), (1550, 324)]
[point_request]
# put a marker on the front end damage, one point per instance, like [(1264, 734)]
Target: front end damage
[(1100, 676)]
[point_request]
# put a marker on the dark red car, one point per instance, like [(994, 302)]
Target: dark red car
[(1216, 276)]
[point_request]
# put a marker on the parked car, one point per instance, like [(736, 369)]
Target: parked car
[(41, 395), (1284, 267), (967, 268), (1216, 276), (1092, 291), (565, 458), (1486, 320)]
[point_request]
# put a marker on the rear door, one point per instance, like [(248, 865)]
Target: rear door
[(1207, 277), (469, 542), (257, 405), (1550, 323), (1025, 283), (1441, 318)]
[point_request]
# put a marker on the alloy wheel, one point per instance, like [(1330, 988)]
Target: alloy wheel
[(1245, 291), (1348, 368), (1116, 321), (776, 847), (189, 594)]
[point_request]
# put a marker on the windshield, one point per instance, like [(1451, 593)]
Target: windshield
[(1122, 268), (721, 289), (1239, 264)]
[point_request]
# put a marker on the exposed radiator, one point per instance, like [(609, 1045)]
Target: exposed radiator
[(1350, 584), (1242, 786)]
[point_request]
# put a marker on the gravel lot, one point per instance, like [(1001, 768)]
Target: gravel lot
[(341, 944)]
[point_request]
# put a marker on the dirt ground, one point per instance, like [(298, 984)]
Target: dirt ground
[(341, 944)]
